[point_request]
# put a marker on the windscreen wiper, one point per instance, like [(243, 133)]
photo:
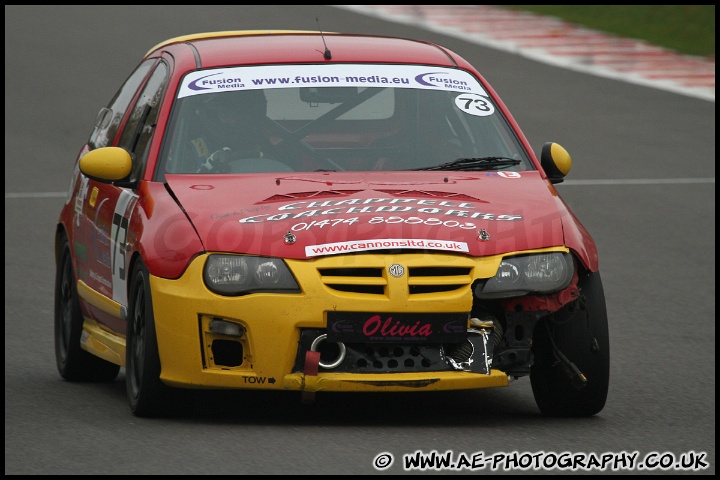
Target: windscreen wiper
[(475, 164)]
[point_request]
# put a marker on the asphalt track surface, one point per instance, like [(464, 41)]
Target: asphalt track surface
[(643, 183)]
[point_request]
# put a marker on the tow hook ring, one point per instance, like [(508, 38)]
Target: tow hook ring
[(338, 361)]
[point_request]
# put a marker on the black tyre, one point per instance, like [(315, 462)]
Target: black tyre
[(147, 395), (580, 333), (73, 363)]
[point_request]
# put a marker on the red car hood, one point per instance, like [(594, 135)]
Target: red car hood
[(307, 215)]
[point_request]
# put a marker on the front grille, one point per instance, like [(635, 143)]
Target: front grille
[(420, 279), (438, 279), (356, 280)]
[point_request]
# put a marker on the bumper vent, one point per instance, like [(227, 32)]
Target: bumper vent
[(374, 358)]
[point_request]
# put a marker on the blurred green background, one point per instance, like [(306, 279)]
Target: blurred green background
[(687, 29)]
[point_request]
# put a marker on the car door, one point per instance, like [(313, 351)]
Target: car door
[(107, 207)]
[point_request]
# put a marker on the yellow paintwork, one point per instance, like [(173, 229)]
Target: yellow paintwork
[(102, 343), (93, 196), (561, 158), (95, 339), (229, 33), (107, 163), (99, 301), (184, 307), (395, 382)]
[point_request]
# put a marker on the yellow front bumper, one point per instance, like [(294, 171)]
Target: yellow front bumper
[(394, 382), (272, 324)]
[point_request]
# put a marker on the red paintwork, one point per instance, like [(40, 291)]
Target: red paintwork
[(217, 204), (545, 303), (308, 48), (160, 232)]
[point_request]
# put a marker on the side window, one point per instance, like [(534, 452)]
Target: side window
[(110, 117), (141, 123)]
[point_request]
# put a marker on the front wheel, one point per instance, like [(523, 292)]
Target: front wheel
[(147, 395), (73, 363), (580, 334)]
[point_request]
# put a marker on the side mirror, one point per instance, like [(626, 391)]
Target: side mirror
[(107, 164), (556, 162)]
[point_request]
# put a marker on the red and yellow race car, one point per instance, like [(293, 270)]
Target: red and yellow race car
[(298, 211)]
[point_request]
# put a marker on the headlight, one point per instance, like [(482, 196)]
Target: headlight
[(240, 275), (539, 273)]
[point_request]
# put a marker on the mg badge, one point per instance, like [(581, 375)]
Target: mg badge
[(396, 270)]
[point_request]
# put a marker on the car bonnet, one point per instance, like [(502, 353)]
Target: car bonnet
[(306, 215)]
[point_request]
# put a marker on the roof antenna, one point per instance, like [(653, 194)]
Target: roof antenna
[(327, 55)]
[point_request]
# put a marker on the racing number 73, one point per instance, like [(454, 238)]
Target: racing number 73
[(474, 104), (120, 224), (120, 221)]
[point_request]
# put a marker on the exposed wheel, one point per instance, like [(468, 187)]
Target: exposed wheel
[(580, 333), (147, 395), (74, 363)]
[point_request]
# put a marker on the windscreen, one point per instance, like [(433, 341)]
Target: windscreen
[(333, 118)]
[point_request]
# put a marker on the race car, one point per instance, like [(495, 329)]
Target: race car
[(309, 212)]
